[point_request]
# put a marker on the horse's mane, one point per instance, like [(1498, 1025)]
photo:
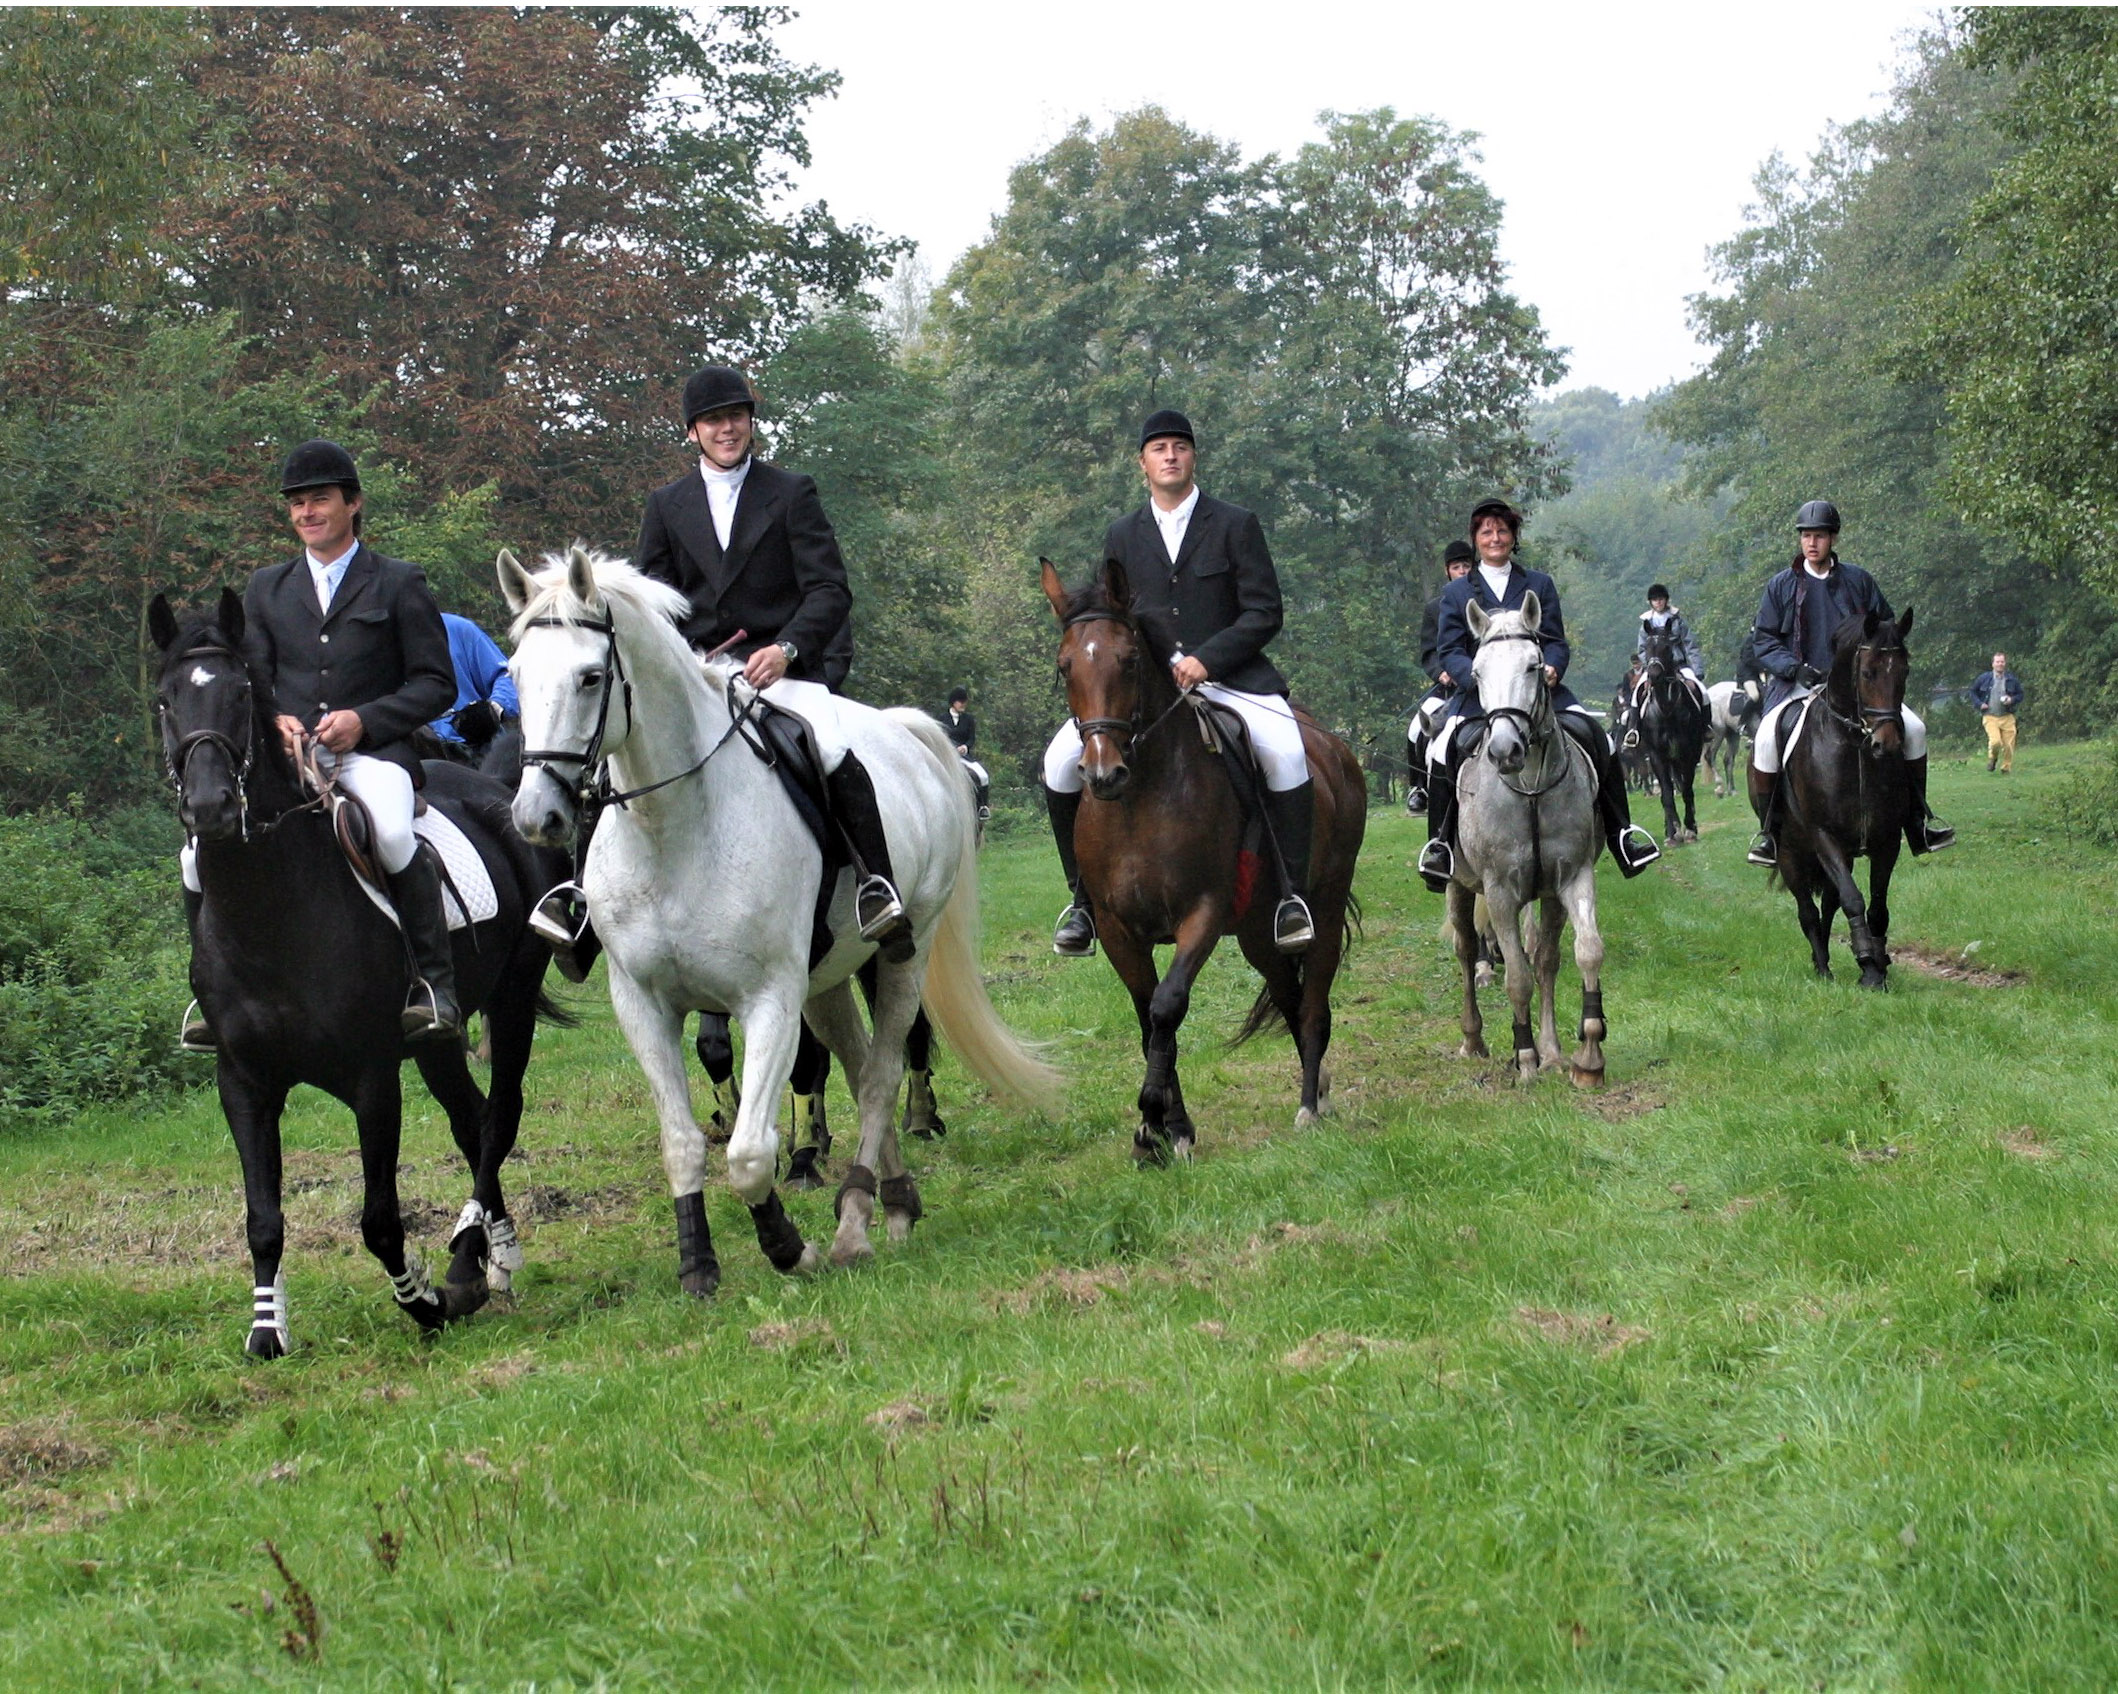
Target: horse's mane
[(1093, 599), (616, 581)]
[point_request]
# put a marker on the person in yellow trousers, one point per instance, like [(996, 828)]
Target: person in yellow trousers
[(1996, 694)]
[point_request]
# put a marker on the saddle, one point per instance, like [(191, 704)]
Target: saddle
[(353, 828), (783, 744)]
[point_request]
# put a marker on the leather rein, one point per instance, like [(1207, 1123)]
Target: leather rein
[(1131, 728)]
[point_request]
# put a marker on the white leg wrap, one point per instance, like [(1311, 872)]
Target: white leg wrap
[(506, 1256), (412, 1288), (268, 1308), (471, 1217)]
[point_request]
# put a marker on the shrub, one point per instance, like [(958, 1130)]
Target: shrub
[(92, 961), (2086, 809)]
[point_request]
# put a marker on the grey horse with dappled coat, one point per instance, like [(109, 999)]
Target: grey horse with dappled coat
[(1527, 835)]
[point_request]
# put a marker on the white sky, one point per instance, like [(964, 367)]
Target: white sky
[(1621, 138)]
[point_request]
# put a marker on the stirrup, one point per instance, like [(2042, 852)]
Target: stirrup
[(427, 1016), (1074, 937), (195, 1034), (1437, 864), (1632, 740), (1763, 852), (1292, 926), (878, 908), (561, 917), (1634, 849), (1934, 834)]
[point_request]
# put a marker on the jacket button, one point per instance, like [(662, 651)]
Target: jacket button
[(325, 639)]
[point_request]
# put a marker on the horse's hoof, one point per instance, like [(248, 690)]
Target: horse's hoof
[(898, 1225), (1183, 1149), (1878, 980), (701, 1282), (265, 1343), (847, 1253), (427, 1311), (461, 1299), (1582, 1077), (1526, 1068), (1304, 1118), (1150, 1148), (809, 1263), (805, 1177), (718, 1131)]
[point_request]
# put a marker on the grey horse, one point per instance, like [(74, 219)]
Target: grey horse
[(1527, 834), (1732, 718)]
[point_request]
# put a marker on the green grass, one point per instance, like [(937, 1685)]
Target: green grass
[(1786, 1362)]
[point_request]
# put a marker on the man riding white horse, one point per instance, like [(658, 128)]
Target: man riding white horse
[(1799, 614), (1498, 584), (1201, 575), (749, 546), (1456, 561), (353, 648), (1662, 623)]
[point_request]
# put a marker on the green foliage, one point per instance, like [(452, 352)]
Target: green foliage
[(92, 962)]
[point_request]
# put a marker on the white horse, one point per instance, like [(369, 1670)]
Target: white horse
[(1732, 714), (702, 882), (1526, 832)]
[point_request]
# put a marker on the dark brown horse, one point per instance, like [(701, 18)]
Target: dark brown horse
[(1846, 793), (1159, 839)]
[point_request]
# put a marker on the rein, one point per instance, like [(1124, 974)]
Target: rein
[(1539, 727), (1129, 727), (176, 756)]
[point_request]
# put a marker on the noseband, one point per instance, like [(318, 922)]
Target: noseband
[(1130, 727), (176, 755), (1538, 725)]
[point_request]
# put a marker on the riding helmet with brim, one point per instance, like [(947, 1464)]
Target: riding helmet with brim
[(714, 387), (319, 464), (1496, 508), (1166, 423), (1818, 514)]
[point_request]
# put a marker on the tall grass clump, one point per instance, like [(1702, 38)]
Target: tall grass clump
[(2085, 806), (92, 962)]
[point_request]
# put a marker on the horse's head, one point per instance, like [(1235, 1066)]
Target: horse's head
[(576, 704), (214, 725), (1110, 670), (1657, 660), (1508, 672), (1870, 661)]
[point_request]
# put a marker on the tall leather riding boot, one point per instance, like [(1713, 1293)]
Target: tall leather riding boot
[(1437, 860), (196, 1035), (1291, 816), (1924, 832), (1415, 777), (561, 918), (879, 911), (1631, 846), (1764, 800), (430, 1010), (1075, 938)]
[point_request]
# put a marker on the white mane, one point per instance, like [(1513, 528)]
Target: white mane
[(616, 582)]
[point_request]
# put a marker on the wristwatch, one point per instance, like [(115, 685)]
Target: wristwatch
[(793, 652)]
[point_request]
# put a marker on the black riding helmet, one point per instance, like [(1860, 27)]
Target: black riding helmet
[(1659, 592), (1166, 423), (1818, 514), (1458, 553), (714, 387), (1498, 508), (319, 464)]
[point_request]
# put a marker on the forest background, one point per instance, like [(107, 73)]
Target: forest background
[(483, 248)]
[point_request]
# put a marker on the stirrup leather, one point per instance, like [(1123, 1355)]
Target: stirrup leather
[(561, 917)]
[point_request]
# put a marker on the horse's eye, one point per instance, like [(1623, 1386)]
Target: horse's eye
[(591, 679)]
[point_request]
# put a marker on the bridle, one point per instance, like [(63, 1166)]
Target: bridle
[(241, 756), (1538, 725), (1870, 718), (1130, 728), (592, 778)]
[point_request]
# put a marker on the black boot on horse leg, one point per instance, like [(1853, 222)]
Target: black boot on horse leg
[(430, 1012), (1631, 846), (812, 1133), (880, 913), (1291, 817), (1924, 832), (698, 1271), (1075, 937)]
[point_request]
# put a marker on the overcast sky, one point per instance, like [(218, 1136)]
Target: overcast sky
[(1622, 139)]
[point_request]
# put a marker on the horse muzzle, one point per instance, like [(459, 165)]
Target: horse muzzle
[(1110, 783), (543, 811), (217, 816)]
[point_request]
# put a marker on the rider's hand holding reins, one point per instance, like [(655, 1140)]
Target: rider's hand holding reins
[(766, 666), (341, 731), (1551, 676), (290, 734), (1187, 670)]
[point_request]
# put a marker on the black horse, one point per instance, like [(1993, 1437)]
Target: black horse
[(301, 978), (1846, 793), (1672, 722)]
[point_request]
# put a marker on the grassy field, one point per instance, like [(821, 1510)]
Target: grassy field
[(1787, 1361)]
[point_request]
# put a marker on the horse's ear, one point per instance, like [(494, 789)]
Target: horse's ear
[(161, 622), (230, 616), (1532, 611), (1475, 615), (1117, 586), (581, 575), (516, 585), (1054, 589), (1904, 624), (1868, 622)]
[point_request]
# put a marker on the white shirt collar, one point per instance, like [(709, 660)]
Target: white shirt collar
[(1181, 514), (716, 478), (1496, 580), (1818, 575), (325, 576), (338, 564)]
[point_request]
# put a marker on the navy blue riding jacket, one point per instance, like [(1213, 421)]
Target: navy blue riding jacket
[(1799, 615), (1457, 643)]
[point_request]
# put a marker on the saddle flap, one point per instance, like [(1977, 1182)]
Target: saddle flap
[(784, 744), (354, 831)]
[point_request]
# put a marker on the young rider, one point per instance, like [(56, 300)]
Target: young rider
[(351, 648), (1499, 584), (1456, 560), (748, 545), (1203, 579), (1801, 611)]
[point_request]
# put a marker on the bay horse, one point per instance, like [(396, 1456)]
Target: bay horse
[(1527, 835), (1158, 839), (1672, 726), (1847, 794), (703, 883), (302, 979)]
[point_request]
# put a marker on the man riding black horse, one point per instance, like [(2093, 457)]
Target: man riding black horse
[(1456, 562), (1499, 584), (1801, 611), (1202, 577), (352, 647), (749, 546)]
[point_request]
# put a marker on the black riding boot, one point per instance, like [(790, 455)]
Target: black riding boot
[(430, 1012), (1631, 846), (879, 911), (1924, 832), (196, 1035), (1437, 860), (1415, 777), (1764, 800), (1291, 816), (561, 919), (1075, 938)]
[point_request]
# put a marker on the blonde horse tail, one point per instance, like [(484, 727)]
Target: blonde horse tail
[(955, 995)]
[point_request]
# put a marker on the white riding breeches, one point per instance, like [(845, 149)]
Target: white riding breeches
[(1275, 736), (1438, 745), (1427, 719), (817, 707), (1765, 747), (383, 787)]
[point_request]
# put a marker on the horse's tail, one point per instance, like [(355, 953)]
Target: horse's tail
[(550, 1011), (955, 993)]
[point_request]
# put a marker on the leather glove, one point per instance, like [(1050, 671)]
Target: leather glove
[(1809, 676), (479, 721)]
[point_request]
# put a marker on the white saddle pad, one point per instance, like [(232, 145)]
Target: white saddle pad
[(466, 871)]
